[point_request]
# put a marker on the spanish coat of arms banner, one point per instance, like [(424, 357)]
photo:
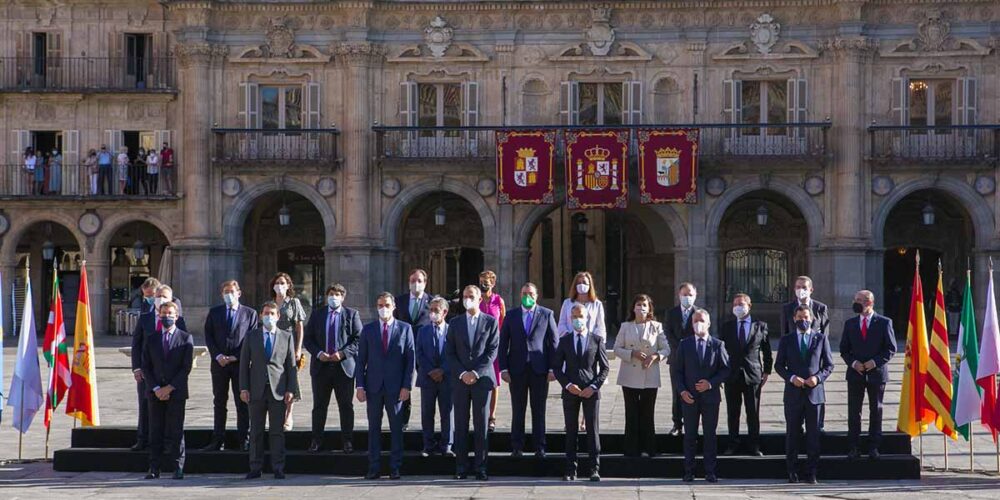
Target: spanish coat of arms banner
[(596, 168), (524, 166), (668, 166)]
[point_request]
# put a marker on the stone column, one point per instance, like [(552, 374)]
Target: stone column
[(9, 270), (99, 285)]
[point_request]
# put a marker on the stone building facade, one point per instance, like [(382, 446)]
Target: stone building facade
[(837, 137)]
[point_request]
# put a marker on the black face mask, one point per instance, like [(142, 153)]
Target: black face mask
[(858, 308)]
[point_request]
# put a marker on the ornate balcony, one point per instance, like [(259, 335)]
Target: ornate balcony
[(934, 145), (74, 181), (239, 148), (87, 74)]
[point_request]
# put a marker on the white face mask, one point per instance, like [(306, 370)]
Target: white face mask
[(740, 311), (281, 289), (641, 311), (158, 301), (435, 317), (579, 324), (687, 300), (701, 328), (470, 304), (230, 299), (582, 288), (385, 313), (802, 293), (417, 288), (333, 301), (269, 322)]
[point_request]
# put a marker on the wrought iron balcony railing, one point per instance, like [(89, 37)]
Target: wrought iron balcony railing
[(952, 144), (716, 141), (78, 181), (243, 147), (87, 74)]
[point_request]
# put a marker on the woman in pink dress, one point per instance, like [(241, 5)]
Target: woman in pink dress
[(492, 304)]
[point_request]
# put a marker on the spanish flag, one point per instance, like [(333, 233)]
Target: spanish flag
[(81, 403), (913, 412), (937, 391)]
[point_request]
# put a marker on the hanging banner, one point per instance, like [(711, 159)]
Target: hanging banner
[(668, 166), (524, 166), (596, 169)]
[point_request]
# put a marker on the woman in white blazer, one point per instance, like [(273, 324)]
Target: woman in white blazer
[(582, 292), (641, 345)]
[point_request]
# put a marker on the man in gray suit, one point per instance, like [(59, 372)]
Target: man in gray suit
[(268, 382)]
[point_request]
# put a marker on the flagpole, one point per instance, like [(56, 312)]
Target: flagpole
[(972, 463), (944, 437)]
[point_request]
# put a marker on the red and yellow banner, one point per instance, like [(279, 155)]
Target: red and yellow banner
[(668, 166), (597, 169), (81, 401), (524, 166)]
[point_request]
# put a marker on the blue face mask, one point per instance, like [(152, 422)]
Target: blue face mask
[(149, 300), (167, 321), (803, 325), (579, 324), (333, 301), (269, 322)]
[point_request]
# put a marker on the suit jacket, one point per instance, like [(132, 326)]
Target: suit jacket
[(170, 368), (820, 317), (314, 338), (477, 357), (219, 339), (258, 372), (520, 350), (676, 330), (879, 345), (651, 340), (145, 307), (748, 362), (688, 368), (590, 370), (389, 370), (145, 327), (818, 361), (430, 354), (402, 312)]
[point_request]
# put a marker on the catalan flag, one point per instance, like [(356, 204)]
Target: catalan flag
[(913, 416), (937, 390), (81, 403)]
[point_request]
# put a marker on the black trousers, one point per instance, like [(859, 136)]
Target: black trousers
[(225, 380), (271, 410), (404, 413), (142, 428), (795, 415), (105, 185), (856, 391), (748, 395), (471, 401), (525, 387), (331, 379), (571, 409), (708, 412), (677, 411), (166, 432), (640, 431)]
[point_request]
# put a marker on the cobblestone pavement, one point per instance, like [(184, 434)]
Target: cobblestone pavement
[(118, 407)]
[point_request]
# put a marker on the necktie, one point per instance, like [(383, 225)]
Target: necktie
[(701, 350), (331, 334), (743, 332), (803, 345), (685, 320), (268, 345), (472, 331), (166, 344), (385, 337), (414, 308), (527, 322), (439, 330), (579, 346), (229, 319), (864, 328), (159, 326)]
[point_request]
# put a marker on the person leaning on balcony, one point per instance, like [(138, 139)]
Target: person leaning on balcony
[(30, 162), (55, 172), (123, 165), (167, 159), (105, 171), (90, 171), (137, 173), (152, 172), (41, 165)]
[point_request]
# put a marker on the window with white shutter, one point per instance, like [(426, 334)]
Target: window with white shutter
[(71, 161), (796, 106), (408, 104), (569, 102), (632, 98), (470, 114), (899, 106), (967, 101), (732, 103), (249, 105)]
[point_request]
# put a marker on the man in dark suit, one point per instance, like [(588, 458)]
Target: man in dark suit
[(167, 359), (146, 300), (580, 363), (472, 345), (386, 360), (804, 362), (413, 307), (331, 337), (803, 297), (701, 365), (867, 345), (528, 340), (434, 380), (677, 328), (268, 383), (750, 364), (225, 328), (147, 325)]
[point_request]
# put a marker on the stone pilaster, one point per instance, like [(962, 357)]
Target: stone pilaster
[(99, 285)]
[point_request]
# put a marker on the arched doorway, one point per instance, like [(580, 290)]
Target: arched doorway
[(762, 238), (137, 250), (443, 234), (45, 246), (283, 232), (934, 223)]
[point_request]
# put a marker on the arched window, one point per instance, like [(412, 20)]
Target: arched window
[(761, 273), (534, 108), (666, 101)]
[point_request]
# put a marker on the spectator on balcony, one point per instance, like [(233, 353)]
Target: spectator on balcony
[(30, 163), (55, 172), (104, 170), (167, 159), (137, 173), (40, 168), (90, 171), (152, 172), (123, 166)]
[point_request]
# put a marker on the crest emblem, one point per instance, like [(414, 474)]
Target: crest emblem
[(280, 38), (526, 168), (599, 173), (438, 36), (764, 33), (667, 169)]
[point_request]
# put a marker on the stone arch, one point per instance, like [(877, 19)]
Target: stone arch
[(962, 193), (27, 221), (398, 208), (236, 214), (806, 205), (113, 223)]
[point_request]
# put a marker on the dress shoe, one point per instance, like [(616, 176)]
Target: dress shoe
[(394, 474), (874, 455), (246, 445), (688, 478), (279, 474), (314, 447), (569, 477), (712, 478), (481, 476), (153, 474), (595, 476), (652, 454), (756, 453), (425, 453), (406, 427), (675, 431), (793, 478), (811, 480), (254, 474), (215, 445), (138, 446), (492, 425), (179, 474), (730, 450), (372, 475), (461, 475), (449, 453), (348, 447), (853, 454), (517, 453), (540, 454)]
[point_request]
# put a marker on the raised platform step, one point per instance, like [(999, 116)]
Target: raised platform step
[(500, 464), (833, 443)]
